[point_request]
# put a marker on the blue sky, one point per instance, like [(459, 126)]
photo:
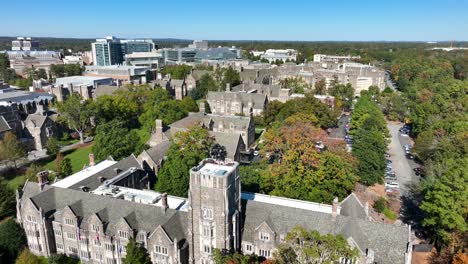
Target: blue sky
[(353, 20)]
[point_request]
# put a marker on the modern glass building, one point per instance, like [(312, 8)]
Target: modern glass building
[(112, 51)]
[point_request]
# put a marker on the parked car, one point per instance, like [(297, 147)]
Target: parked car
[(388, 161), (409, 156), (392, 184), (387, 155), (256, 153), (419, 171)]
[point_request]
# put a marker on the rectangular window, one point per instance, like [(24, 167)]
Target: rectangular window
[(264, 236), (109, 247), (207, 248), (208, 231), (141, 236), (73, 250), (84, 254), (160, 250), (95, 228), (123, 234), (207, 213), (57, 232), (264, 253), (110, 261), (59, 246), (71, 236), (69, 221), (97, 256), (248, 248)]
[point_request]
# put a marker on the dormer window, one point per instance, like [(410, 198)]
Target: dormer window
[(141, 236), (123, 234), (264, 236)]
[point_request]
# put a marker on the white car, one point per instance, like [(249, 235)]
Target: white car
[(256, 153), (392, 185)]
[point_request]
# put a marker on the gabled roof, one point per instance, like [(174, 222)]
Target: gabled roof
[(230, 141), (256, 100), (4, 126), (352, 206), (387, 241), (36, 120), (110, 210)]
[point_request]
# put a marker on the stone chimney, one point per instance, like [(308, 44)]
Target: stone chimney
[(201, 107), (366, 208), (91, 159), (42, 178), (164, 201), (335, 208), (158, 130), (228, 87)]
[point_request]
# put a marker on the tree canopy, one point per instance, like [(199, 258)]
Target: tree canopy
[(12, 239), (11, 149), (76, 114), (136, 253), (188, 148), (310, 247), (115, 139)]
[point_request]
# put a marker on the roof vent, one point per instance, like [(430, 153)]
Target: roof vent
[(117, 170), (101, 179), (84, 188)]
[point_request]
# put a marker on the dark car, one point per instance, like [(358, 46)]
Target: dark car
[(409, 156), (419, 171)]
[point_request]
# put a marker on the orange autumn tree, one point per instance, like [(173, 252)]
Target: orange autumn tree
[(300, 170)]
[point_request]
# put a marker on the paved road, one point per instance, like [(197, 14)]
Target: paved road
[(339, 132), (389, 81), (401, 165)]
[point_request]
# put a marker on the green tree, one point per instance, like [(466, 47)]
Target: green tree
[(445, 201), (65, 168), (188, 149), (220, 257), (41, 74), (343, 92), (177, 71), (369, 148), (7, 200), (12, 239), (11, 149), (304, 247), (53, 146), (62, 259), (32, 171), (380, 205), (114, 139), (320, 86), (26, 257), (205, 84), (76, 114), (136, 253), (188, 104)]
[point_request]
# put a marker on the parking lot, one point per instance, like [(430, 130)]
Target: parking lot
[(402, 166)]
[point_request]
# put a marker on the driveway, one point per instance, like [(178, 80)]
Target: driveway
[(339, 132), (402, 166)]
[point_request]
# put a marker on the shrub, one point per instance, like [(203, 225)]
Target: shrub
[(380, 205)]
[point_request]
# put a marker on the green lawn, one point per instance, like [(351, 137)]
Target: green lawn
[(79, 158)]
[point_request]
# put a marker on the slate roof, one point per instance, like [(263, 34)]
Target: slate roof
[(110, 210), (230, 141), (239, 122), (4, 126), (197, 74), (387, 241), (93, 181), (36, 120), (159, 151), (257, 100), (271, 90), (352, 206), (107, 90)]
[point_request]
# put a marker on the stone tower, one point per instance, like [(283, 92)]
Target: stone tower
[(214, 211)]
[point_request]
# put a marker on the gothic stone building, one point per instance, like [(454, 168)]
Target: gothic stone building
[(92, 215)]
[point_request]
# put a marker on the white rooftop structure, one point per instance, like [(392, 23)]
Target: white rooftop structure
[(83, 174), (82, 80), (216, 168), (141, 196), (305, 205)]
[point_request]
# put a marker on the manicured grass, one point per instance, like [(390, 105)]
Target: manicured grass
[(16, 182), (65, 142), (78, 157), (390, 214)]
